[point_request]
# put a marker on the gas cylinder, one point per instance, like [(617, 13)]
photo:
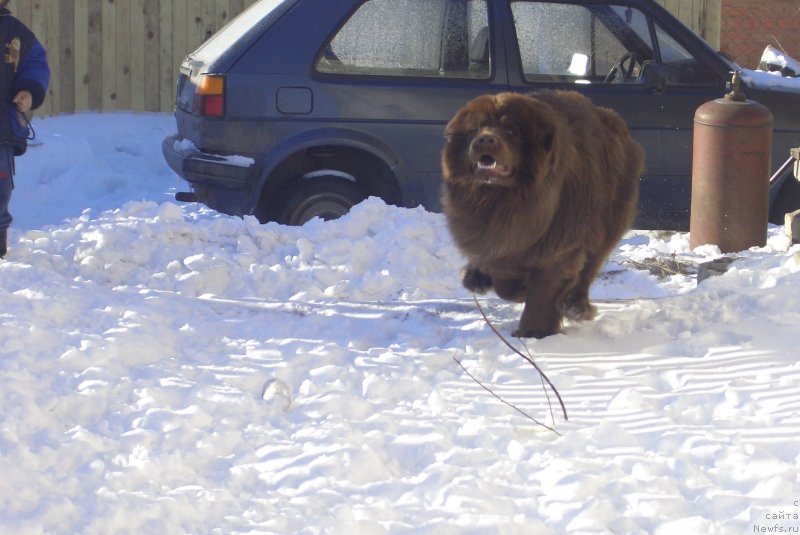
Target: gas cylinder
[(732, 154)]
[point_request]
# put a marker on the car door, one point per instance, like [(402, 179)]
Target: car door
[(398, 70), (622, 56)]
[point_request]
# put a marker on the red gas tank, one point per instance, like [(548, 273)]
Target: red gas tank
[(731, 161)]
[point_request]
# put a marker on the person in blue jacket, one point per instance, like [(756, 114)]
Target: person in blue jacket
[(24, 76)]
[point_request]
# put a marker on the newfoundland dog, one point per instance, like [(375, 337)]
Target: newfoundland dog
[(538, 189)]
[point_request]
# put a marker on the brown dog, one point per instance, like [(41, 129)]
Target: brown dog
[(538, 189)]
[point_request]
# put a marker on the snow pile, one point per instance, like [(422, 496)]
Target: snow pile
[(167, 369), (777, 62)]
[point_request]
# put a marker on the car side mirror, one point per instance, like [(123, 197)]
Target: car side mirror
[(653, 75)]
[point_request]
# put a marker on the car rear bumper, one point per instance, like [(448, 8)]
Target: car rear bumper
[(197, 167)]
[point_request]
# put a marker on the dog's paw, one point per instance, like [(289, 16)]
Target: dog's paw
[(475, 280), (580, 311), (534, 333), (577, 308)]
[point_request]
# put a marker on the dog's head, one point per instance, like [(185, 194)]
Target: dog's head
[(499, 141)]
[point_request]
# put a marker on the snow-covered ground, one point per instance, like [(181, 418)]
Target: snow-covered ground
[(167, 369)]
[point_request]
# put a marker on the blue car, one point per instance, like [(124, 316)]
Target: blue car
[(303, 108)]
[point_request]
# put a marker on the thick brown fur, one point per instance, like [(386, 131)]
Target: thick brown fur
[(538, 189)]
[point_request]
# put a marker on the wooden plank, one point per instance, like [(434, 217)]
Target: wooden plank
[(81, 53), (23, 10), (698, 17), (210, 19), (194, 28), (151, 55), (712, 25), (674, 6), (108, 48), (65, 76), (702, 16), (166, 74), (53, 41), (122, 66), (136, 27), (236, 7), (685, 12), (200, 22), (221, 14), (95, 66), (180, 14), (38, 26)]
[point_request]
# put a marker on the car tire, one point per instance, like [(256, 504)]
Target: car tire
[(324, 197)]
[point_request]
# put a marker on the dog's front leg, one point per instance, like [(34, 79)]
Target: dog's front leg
[(475, 280), (543, 311)]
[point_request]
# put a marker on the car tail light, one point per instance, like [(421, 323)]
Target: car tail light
[(209, 99)]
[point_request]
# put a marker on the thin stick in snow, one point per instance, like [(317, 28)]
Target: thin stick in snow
[(492, 392), (528, 358)]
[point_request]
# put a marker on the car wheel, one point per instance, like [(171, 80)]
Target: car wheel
[(325, 197)]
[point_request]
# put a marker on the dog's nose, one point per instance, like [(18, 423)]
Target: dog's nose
[(485, 140)]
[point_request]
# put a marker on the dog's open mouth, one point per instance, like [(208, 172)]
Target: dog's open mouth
[(489, 164)]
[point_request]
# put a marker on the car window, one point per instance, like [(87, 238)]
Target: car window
[(571, 42), (681, 68), (430, 38), (597, 43)]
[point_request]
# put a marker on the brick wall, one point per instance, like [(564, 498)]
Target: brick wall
[(748, 26)]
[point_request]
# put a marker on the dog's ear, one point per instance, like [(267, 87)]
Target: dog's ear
[(456, 126), (535, 120), (542, 133), (548, 130), (470, 116), (451, 126)]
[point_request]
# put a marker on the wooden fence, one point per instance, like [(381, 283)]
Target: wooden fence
[(119, 54), (125, 54), (702, 16)]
